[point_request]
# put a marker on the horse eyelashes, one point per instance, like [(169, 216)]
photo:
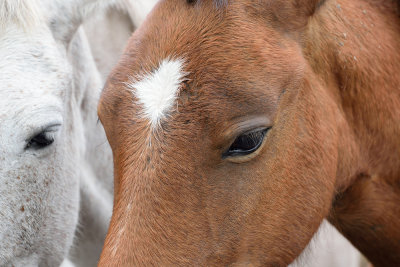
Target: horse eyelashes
[(40, 141), (246, 143)]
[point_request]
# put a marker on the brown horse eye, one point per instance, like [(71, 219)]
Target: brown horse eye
[(246, 144)]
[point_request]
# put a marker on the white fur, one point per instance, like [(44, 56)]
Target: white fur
[(38, 204), (157, 91), (126, 16), (96, 167), (138, 9), (329, 248), (67, 263), (47, 80), (22, 12), (74, 12)]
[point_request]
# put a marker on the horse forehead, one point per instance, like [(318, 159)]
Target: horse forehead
[(35, 76), (31, 61), (156, 91), (29, 93), (22, 46)]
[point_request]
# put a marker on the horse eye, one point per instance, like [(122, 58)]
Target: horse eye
[(40, 141), (246, 144)]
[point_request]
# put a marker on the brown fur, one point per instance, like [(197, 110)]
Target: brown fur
[(326, 77)]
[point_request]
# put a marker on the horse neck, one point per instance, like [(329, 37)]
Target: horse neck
[(353, 47), (88, 86), (96, 162)]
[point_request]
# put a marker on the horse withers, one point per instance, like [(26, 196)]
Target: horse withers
[(237, 126)]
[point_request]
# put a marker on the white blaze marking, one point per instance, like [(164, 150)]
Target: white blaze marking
[(158, 91)]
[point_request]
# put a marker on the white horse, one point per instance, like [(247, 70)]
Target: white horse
[(49, 137)]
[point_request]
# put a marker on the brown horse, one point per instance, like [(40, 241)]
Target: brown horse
[(238, 125)]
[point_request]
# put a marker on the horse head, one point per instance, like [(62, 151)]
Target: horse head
[(234, 128)]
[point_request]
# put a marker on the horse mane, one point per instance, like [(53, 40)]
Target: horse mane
[(23, 13)]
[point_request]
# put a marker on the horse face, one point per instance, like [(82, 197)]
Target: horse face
[(39, 179), (223, 141), (41, 134)]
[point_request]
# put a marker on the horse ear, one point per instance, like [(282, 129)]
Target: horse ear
[(67, 16), (291, 14)]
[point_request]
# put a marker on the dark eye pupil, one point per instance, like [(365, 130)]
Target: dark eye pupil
[(40, 141), (246, 144)]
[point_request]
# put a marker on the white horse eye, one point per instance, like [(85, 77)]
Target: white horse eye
[(43, 139)]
